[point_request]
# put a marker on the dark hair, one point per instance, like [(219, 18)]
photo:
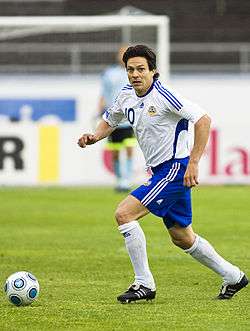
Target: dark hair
[(143, 51)]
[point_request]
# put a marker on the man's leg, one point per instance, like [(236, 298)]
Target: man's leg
[(114, 145), (127, 214), (128, 167), (116, 166), (201, 250)]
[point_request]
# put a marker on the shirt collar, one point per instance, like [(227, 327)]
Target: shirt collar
[(148, 91)]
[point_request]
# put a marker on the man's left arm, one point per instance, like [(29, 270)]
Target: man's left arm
[(201, 134)]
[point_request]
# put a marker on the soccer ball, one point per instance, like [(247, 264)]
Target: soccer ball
[(21, 288)]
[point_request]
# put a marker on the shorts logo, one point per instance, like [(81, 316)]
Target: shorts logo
[(159, 201), (152, 111), (147, 183)]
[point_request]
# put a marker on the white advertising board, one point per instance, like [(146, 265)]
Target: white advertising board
[(43, 150)]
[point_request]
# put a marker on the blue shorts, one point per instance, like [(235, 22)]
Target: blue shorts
[(164, 194)]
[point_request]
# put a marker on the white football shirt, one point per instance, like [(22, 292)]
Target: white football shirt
[(160, 121)]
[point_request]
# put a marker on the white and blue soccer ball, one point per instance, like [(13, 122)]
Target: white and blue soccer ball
[(21, 288)]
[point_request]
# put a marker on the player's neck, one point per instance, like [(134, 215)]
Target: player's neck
[(145, 91)]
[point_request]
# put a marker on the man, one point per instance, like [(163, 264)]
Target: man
[(113, 79), (160, 120)]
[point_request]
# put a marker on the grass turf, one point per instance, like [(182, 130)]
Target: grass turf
[(68, 238)]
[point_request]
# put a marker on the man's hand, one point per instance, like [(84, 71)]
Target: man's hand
[(87, 139), (102, 131), (191, 175)]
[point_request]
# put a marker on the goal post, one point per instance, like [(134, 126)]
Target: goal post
[(14, 30), (50, 70)]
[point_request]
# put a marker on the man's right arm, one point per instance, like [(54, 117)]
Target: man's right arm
[(102, 131)]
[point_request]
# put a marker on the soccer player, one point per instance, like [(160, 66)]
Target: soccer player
[(113, 79), (160, 119)]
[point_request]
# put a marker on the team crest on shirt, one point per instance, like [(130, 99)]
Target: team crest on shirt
[(152, 111)]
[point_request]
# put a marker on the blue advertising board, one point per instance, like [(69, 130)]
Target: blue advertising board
[(64, 109)]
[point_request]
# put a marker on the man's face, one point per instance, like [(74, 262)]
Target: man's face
[(139, 75)]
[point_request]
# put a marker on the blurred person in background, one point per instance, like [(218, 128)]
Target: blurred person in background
[(114, 78), (160, 119)]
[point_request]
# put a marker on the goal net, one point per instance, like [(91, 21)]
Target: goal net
[(78, 44)]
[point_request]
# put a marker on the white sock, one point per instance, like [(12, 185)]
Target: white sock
[(206, 254), (136, 246)]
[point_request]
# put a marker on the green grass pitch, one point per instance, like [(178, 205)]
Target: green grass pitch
[(68, 238)]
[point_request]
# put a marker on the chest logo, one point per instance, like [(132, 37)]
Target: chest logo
[(152, 111)]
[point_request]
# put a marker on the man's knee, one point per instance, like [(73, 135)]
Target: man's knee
[(182, 237), (130, 209), (122, 215)]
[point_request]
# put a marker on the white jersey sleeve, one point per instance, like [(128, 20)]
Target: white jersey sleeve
[(180, 105), (114, 115), (191, 111)]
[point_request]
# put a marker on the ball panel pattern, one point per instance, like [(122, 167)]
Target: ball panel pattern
[(15, 300), (32, 293), (19, 283)]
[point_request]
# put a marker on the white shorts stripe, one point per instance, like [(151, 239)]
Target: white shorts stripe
[(160, 186), (159, 183), (164, 184)]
